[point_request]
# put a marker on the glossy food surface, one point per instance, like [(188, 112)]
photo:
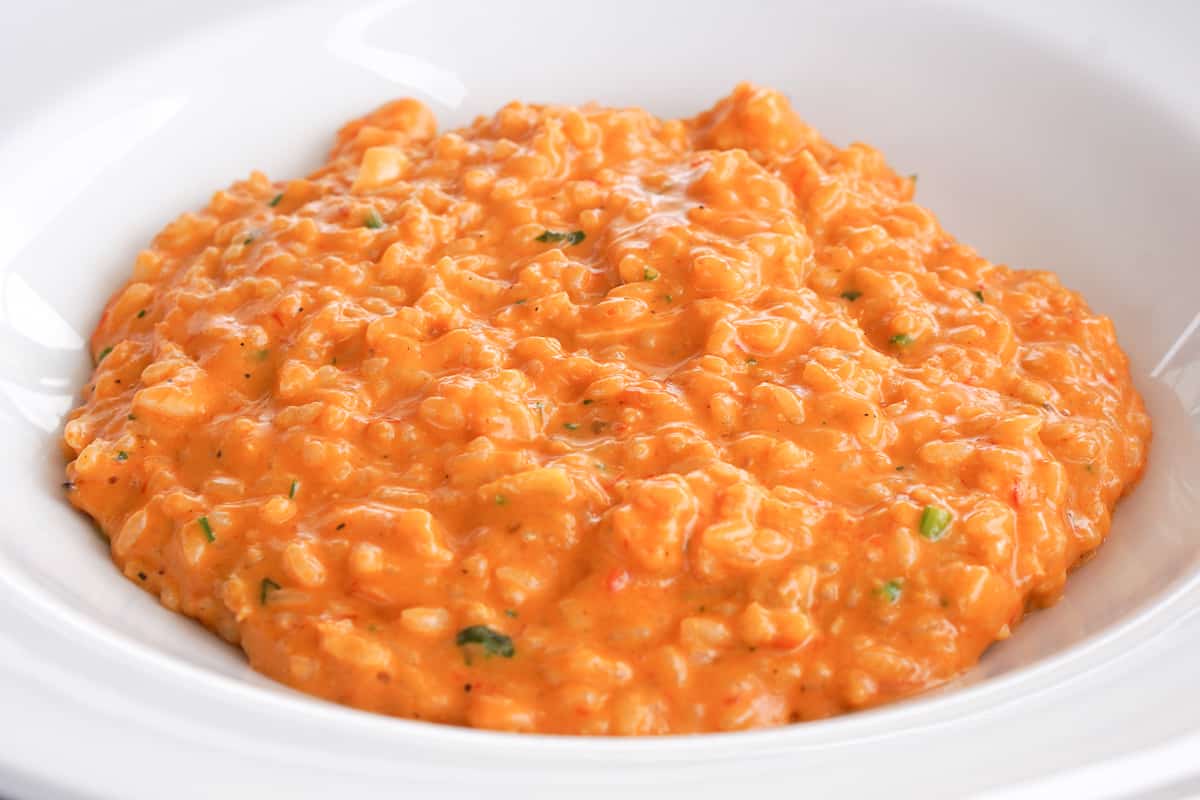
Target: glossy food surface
[(577, 420)]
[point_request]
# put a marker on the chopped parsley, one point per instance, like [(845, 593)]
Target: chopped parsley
[(373, 220), (508, 612), (267, 586), (667, 297), (912, 177), (501, 500), (571, 426), (122, 455), (493, 642), (262, 355), (572, 238), (891, 590), (902, 340), (649, 274), (207, 528), (248, 240), (292, 491), (103, 353), (587, 401), (275, 200), (141, 313), (851, 295), (979, 294), (934, 522)]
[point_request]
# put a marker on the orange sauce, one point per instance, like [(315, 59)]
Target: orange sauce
[(578, 420)]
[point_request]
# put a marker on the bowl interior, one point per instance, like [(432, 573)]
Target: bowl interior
[(1101, 189)]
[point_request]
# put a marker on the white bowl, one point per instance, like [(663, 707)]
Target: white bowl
[(1045, 138)]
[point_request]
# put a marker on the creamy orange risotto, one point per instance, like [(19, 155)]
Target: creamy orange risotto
[(577, 420)]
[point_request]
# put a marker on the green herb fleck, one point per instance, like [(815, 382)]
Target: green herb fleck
[(207, 528), (571, 426), (667, 297), (902, 340), (103, 353), (891, 590), (501, 500), (1089, 468), (900, 468), (275, 200), (494, 643), (522, 301), (122, 455), (262, 355), (292, 491), (649, 274), (979, 294), (934, 522), (266, 587), (131, 418), (912, 177), (248, 240), (141, 313), (574, 237), (587, 401), (373, 220), (851, 295), (508, 612)]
